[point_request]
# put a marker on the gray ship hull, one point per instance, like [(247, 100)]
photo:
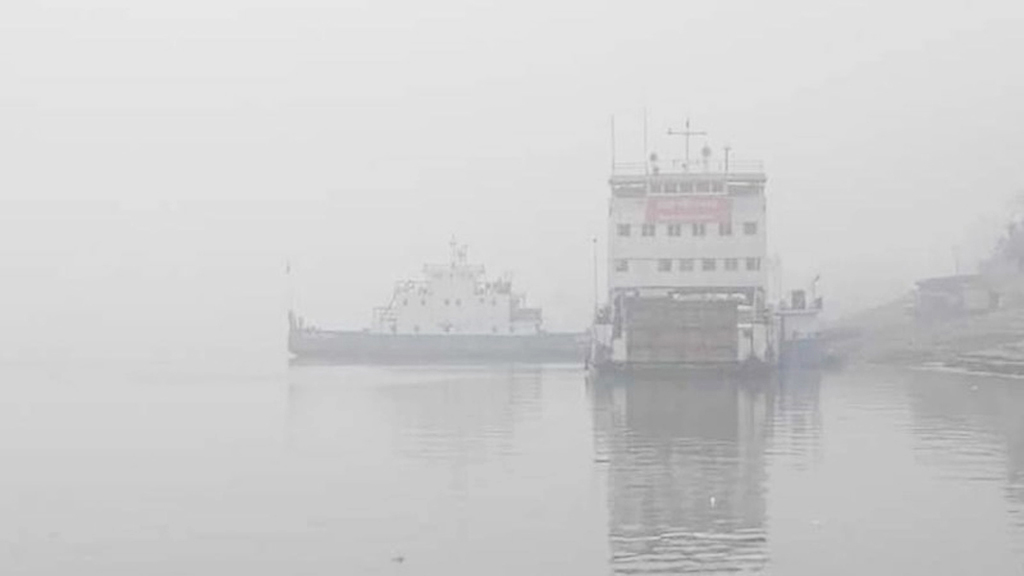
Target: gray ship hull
[(344, 347)]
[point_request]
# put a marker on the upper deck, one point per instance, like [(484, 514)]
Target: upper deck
[(712, 177)]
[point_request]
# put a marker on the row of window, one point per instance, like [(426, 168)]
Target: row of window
[(696, 229), (448, 328), (448, 302), (687, 186), (690, 264)]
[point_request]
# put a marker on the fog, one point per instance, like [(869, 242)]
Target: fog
[(163, 160)]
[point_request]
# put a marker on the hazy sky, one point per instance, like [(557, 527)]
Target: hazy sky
[(162, 159)]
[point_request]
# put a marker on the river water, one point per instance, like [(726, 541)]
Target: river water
[(469, 471)]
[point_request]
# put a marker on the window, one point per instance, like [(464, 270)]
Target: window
[(447, 302), (750, 228), (664, 265), (675, 230), (700, 229), (458, 302), (686, 187), (686, 265), (753, 263), (725, 228), (732, 264), (717, 186), (622, 265), (708, 264), (647, 230), (671, 188), (703, 186), (623, 229), (423, 302)]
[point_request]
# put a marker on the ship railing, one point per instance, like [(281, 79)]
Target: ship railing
[(444, 268), (630, 169), (680, 167)]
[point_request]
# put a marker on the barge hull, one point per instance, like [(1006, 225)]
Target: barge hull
[(341, 347)]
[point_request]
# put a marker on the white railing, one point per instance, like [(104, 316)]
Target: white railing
[(695, 166)]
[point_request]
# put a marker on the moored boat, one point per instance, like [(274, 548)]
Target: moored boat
[(454, 314)]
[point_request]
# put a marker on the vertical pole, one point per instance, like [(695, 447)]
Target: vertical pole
[(597, 303), (613, 144), (686, 139), (293, 318), (645, 142)]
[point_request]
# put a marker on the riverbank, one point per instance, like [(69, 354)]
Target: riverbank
[(991, 342)]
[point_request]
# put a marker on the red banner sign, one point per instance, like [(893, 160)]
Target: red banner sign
[(689, 209)]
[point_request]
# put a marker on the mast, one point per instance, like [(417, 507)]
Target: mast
[(646, 159), (613, 143), (597, 303), (686, 133)]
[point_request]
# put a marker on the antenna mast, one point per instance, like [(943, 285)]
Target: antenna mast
[(293, 313), (686, 133), (597, 303), (613, 143), (646, 162)]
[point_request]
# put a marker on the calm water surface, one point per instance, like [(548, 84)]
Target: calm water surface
[(468, 471)]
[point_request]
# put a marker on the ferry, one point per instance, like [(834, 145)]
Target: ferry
[(688, 272), (453, 314)]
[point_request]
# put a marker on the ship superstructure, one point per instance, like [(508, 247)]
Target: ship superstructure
[(687, 274), (456, 298), (454, 313)]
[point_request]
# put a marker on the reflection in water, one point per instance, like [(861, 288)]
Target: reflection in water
[(472, 470), (487, 470), (431, 413), (464, 469), (796, 421), (972, 428), (686, 473), (473, 414)]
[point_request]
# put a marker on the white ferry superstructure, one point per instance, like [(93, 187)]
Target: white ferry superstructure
[(453, 314), (687, 268)]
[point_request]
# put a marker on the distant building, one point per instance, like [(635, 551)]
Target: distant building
[(954, 295)]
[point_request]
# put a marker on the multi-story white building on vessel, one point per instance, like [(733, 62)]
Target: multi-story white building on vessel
[(695, 232), (687, 269)]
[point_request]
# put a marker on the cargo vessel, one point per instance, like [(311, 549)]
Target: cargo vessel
[(688, 272), (453, 314)]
